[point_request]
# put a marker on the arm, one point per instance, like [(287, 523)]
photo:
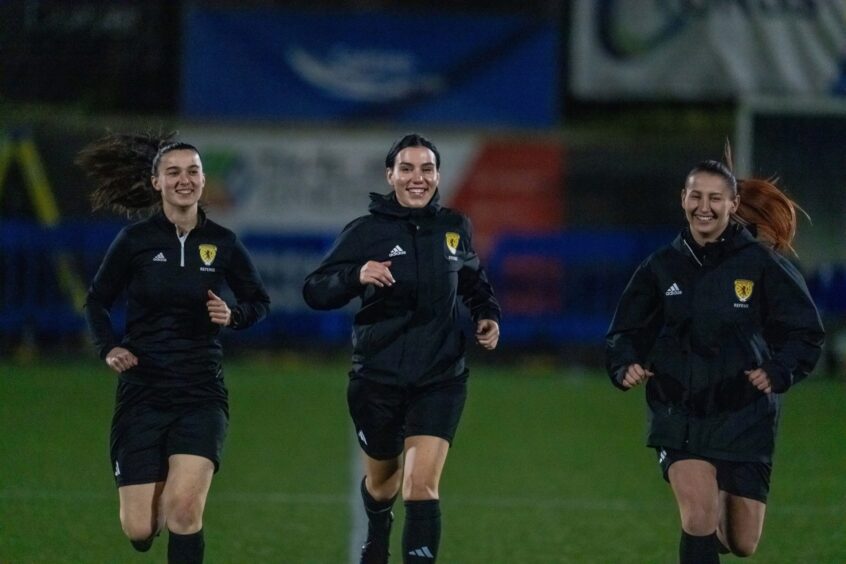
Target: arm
[(473, 285), (337, 280), (633, 329), (245, 282), (792, 327), (110, 280)]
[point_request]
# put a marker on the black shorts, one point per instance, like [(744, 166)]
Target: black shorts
[(384, 415), (150, 424), (743, 479)]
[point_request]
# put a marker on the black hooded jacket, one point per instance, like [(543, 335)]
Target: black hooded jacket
[(699, 317), (408, 332)]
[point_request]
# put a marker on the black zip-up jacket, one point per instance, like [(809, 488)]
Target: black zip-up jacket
[(167, 284), (408, 332), (699, 317)]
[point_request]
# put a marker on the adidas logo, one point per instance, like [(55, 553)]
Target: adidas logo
[(673, 290), (422, 552), (159, 258), (396, 251)]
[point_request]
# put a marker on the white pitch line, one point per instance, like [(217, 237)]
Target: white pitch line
[(353, 501)]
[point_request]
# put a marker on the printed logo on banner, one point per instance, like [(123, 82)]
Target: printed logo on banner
[(624, 35), (363, 75)]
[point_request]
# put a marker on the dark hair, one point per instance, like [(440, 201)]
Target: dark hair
[(121, 166), (411, 140), (762, 204), (719, 169), (167, 148)]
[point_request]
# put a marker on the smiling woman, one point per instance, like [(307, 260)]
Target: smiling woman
[(409, 262), (718, 325), (172, 410)]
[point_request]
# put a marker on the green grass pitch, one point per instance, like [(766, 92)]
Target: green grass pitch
[(548, 466)]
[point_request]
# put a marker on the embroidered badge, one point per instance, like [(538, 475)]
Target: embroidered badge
[(743, 289), (452, 240), (207, 254)]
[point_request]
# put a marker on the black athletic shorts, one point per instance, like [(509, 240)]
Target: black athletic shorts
[(150, 424), (743, 479), (384, 415)]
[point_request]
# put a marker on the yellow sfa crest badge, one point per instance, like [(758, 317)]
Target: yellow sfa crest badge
[(743, 289), (452, 240), (207, 253)]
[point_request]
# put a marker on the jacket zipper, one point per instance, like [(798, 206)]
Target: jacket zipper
[(182, 239)]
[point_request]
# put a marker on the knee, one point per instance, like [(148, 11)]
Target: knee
[(743, 547), (384, 487), (137, 528), (184, 515), (418, 487), (700, 521)]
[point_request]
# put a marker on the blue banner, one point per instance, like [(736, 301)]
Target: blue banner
[(272, 64)]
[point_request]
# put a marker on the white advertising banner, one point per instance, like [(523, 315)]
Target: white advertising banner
[(707, 49), (306, 180)]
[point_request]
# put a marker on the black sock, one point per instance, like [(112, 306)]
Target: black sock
[(698, 550), (185, 549), (422, 533), (379, 516)]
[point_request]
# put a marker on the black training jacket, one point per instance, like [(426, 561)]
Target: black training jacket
[(409, 332), (698, 318), (167, 284)]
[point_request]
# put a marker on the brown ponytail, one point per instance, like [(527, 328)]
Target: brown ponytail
[(119, 165)]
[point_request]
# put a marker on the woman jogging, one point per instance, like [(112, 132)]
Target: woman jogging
[(171, 413), (408, 262), (718, 325)]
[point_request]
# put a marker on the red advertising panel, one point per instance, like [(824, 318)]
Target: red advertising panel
[(513, 186)]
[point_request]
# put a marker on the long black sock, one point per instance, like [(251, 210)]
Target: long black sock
[(698, 550), (422, 534), (379, 515), (186, 549)]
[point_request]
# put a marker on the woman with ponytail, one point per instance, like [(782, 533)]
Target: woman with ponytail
[(718, 325), (171, 413)]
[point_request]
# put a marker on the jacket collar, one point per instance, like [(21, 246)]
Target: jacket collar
[(161, 219), (387, 204), (735, 236)]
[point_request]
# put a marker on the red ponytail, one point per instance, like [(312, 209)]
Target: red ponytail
[(770, 210)]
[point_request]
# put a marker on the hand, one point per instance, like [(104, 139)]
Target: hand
[(376, 273), (120, 359), (760, 380), (487, 333), (219, 312), (636, 375)]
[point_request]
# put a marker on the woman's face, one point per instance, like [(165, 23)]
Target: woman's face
[(414, 177), (708, 203), (180, 178)]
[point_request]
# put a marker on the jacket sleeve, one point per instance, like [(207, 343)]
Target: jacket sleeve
[(473, 285), (633, 329), (111, 279), (335, 282), (245, 282), (792, 325)]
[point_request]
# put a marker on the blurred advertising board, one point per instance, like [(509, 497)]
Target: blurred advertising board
[(369, 66), (690, 50), (290, 193)]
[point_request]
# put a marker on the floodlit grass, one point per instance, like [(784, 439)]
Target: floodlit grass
[(548, 466)]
